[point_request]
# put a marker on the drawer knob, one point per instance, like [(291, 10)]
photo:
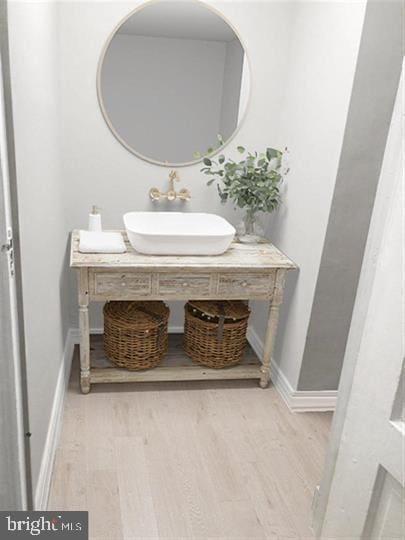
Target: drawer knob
[(244, 283), (185, 284), (123, 284)]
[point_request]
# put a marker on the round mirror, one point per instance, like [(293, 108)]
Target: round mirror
[(173, 82)]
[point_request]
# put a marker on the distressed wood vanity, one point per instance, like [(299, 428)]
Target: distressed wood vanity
[(244, 272)]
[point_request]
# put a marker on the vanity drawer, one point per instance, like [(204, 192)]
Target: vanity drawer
[(246, 285), (187, 285), (121, 284)]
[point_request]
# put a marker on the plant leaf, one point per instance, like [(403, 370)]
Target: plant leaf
[(272, 153), (207, 162), (240, 149)]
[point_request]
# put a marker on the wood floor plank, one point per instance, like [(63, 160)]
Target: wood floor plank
[(125, 415), (220, 464), (103, 504), (240, 521), (188, 461), (281, 477), (99, 432), (135, 494), (68, 486), (271, 510), (173, 520)]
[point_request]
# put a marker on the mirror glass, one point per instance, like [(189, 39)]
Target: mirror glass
[(173, 82)]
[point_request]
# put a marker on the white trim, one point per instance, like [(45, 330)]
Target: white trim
[(296, 400), (176, 329), (55, 421)]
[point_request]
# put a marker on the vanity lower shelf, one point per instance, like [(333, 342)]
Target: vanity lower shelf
[(175, 366)]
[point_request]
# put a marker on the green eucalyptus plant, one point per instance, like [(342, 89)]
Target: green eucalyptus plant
[(253, 183)]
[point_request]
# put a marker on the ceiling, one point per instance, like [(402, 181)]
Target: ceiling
[(178, 19)]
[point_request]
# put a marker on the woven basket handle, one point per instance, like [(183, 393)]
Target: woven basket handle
[(221, 321), (160, 327)]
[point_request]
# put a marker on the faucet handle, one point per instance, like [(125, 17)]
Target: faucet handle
[(184, 195), (154, 194)]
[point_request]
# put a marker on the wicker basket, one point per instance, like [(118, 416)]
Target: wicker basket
[(215, 332), (135, 333)]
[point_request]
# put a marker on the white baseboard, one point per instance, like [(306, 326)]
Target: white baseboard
[(176, 329), (48, 456), (296, 400)]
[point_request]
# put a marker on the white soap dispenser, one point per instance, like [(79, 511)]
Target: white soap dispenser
[(95, 219)]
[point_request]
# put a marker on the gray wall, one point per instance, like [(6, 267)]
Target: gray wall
[(375, 85)]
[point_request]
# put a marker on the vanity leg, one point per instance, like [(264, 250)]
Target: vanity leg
[(272, 327), (84, 331)]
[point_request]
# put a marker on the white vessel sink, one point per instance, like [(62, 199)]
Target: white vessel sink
[(178, 233)]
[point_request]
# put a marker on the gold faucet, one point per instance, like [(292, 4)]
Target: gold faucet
[(171, 194)]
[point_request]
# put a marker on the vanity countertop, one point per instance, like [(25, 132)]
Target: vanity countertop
[(249, 256)]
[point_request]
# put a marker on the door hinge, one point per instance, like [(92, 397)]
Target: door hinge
[(8, 248)]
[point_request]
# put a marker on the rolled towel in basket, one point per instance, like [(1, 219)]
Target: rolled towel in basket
[(101, 242)]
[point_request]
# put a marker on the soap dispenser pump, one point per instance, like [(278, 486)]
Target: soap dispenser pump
[(95, 219)]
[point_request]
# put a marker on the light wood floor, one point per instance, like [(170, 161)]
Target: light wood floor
[(179, 461)]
